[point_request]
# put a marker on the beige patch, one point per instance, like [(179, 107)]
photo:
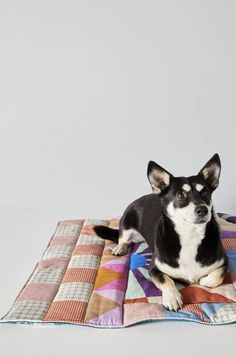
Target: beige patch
[(214, 279), (199, 187), (186, 187)]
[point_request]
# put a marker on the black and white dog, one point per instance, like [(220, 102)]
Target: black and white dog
[(177, 221)]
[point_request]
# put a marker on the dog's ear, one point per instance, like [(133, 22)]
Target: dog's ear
[(211, 171), (158, 177)]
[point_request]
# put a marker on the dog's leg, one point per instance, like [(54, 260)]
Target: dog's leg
[(172, 299), (127, 237), (215, 278)]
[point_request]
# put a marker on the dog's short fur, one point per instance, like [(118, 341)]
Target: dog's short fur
[(177, 221)]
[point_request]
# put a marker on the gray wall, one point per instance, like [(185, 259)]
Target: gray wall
[(92, 90)]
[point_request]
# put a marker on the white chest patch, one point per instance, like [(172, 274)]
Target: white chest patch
[(189, 270)]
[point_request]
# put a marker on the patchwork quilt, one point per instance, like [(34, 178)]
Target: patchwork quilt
[(79, 281)]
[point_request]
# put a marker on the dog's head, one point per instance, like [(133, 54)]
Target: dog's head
[(186, 199)]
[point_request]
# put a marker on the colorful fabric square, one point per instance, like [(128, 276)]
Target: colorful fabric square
[(79, 281), (106, 304)]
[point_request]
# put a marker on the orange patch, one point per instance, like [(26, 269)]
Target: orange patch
[(229, 243), (106, 276), (193, 295)]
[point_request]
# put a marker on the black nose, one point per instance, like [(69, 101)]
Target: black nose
[(201, 210)]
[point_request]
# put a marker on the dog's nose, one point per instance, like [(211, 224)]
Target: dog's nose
[(201, 210)]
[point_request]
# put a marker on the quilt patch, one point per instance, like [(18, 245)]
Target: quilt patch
[(79, 281)]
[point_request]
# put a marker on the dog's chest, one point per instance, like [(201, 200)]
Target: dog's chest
[(190, 240), (189, 269)]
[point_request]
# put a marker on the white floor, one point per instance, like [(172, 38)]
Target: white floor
[(25, 232)]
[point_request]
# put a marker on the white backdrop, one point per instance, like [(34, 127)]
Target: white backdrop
[(90, 91)]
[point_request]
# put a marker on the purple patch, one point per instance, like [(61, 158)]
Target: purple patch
[(227, 234), (147, 286)]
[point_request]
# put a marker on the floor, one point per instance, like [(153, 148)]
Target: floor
[(25, 232)]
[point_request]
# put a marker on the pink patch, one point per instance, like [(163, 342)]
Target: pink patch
[(54, 263), (138, 312), (39, 292), (114, 267), (122, 260), (70, 240), (114, 295)]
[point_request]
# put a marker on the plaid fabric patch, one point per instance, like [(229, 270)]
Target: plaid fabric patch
[(95, 221), (74, 291), (84, 261), (58, 251), (47, 275), (88, 239), (28, 310), (67, 230)]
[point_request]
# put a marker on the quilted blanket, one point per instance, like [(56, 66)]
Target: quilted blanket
[(79, 281)]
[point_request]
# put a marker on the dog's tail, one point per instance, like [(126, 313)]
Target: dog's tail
[(107, 233)]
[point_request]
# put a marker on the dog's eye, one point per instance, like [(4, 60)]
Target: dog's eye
[(181, 195)]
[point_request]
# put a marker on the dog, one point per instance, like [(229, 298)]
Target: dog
[(179, 225)]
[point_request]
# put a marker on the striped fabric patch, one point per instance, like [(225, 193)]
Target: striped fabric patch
[(74, 291), (83, 274)]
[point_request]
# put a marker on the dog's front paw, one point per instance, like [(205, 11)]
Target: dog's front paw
[(172, 299), (120, 249)]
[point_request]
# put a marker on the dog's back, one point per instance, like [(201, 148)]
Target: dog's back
[(143, 215)]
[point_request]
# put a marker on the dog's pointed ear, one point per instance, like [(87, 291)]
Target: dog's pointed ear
[(211, 171), (158, 177)]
